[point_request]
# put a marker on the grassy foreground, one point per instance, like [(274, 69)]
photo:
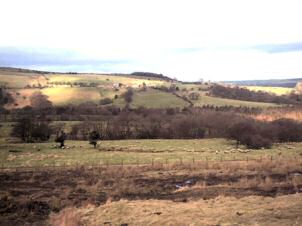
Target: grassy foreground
[(136, 152)]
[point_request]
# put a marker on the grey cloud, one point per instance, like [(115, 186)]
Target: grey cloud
[(52, 58)]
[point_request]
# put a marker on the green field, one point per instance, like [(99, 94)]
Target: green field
[(270, 89), (157, 99), (217, 101), (135, 152)]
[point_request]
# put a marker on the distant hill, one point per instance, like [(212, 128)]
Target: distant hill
[(12, 69), (152, 75), (270, 82)]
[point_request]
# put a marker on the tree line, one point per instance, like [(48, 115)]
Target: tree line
[(239, 93), (189, 123)]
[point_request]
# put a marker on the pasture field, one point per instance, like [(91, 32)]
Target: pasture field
[(217, 101), (270, 89), (157, 99), (104, 79), (67, 95), (136, 152), (60, 95), (21, 79), (13, 79)]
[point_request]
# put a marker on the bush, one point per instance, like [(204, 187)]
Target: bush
[(106, 101), (128, 95), (29, 130), (94, 136), (257, 142), (288, 130), (254, 135)]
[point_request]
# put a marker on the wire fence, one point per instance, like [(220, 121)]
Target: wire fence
[(180, 162)]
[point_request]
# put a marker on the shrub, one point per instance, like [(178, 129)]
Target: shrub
[(128, 95), (61, 139), (106, 101), (253, 134), (94, 136), (288, 130), (29, 130), (257, 142)]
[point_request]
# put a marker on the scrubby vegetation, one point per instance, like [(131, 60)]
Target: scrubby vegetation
[(112, 123)]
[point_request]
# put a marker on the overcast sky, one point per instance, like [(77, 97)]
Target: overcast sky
[(189, 40)]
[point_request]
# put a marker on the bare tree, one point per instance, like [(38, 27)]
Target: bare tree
[(61, 139), (128, 95), (94, 136)]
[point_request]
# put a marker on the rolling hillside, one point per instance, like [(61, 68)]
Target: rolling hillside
[(76, 88)]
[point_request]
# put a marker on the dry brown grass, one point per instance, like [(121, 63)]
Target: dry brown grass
[(67, 217), (271, 115), (252, 210)]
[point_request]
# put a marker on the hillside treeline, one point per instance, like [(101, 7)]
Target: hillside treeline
[(92, 112), (34, 125), (152, 75), (239, 93)]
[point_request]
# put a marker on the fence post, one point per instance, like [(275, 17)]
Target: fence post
[(152, 162)]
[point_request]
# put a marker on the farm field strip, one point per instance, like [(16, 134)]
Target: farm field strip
[(270, 89), (136, 152)]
